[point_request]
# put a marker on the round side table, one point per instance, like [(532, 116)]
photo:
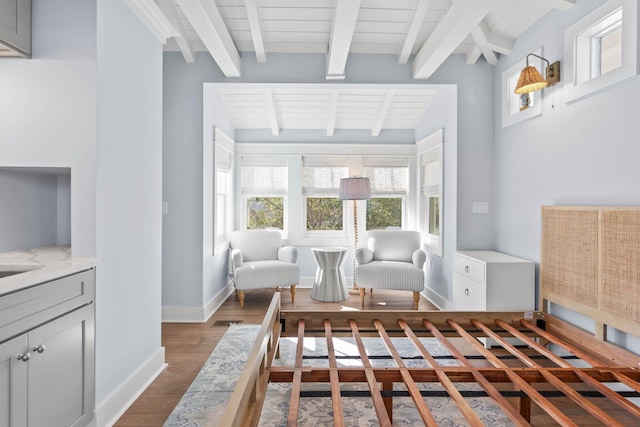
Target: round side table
[(330, 284)]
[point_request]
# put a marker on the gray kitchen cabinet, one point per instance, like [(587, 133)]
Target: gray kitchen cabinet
[(47, 370), (15, 27)]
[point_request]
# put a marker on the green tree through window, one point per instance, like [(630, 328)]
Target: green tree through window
[(324, 213), (384, 212), (265, 212)]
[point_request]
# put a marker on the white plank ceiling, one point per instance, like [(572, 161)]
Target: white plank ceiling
[(422, 33)]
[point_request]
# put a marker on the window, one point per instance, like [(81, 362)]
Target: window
[(320, 184), (222, 206), (431, 200), (264, 189), (601, 49), (389, 179)]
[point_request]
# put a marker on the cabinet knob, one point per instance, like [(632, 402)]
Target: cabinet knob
[(24, 356), (466, 291), (466, 268), (40, 348)]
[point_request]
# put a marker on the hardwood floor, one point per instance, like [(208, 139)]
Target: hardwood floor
[(188, 345)]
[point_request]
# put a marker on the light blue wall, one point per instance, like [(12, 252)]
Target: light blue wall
[(469, 135), (129, 195), (585, 153), (28, 218), (48, 107)]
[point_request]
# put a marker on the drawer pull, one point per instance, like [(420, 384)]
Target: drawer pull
[(40, 349), (24, 356), (466, 268), (466, 291)]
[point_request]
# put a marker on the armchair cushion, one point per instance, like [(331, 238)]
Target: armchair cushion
[(396, 245), (392, 260), (256, 245)]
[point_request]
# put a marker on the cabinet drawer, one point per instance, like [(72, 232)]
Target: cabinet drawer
[(468, 294), (30, 307), (469, 268)]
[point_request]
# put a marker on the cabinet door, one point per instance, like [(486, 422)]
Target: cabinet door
[(61, 371), (13, 383), (15, 25), (468, 295)]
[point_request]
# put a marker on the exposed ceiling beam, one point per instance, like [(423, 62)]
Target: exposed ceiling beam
[(382, 113), (271, 112), (417, 17), (255, 25), (205, 18), (150, 14), (479, 35), (454, 27), (562, 5), (473, 55), (343, 25), (169, 9), (332, 112)]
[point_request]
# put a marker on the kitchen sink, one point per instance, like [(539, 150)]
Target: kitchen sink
[(6, 273)]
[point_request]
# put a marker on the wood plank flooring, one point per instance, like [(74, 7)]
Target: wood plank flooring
[(188, 345)]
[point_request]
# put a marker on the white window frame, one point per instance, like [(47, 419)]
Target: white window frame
[(511, 102), (320, 161), (578, 50), (382, 162), (223, 163), (431, 149), (246, 194)]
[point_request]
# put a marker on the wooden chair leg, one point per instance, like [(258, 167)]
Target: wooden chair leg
[(416, 299), (293, 294), (241, 295), (362, 292)]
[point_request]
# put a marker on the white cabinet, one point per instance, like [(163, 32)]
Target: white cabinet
[(15, 28), (47, 369), (492, 281)]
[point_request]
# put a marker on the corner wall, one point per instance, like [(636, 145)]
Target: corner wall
[(584, 153)]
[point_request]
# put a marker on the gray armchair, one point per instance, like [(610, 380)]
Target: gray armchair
[(258, 260), (393, 259)]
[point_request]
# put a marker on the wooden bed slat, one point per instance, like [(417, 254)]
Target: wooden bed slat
[(414, 392), (378, 402), (561, 343), (296, 384), (336, 400)]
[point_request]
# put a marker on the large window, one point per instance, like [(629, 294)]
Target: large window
[(264, 190), (320, 184), (222, 197), (389, 179), (431, 200)]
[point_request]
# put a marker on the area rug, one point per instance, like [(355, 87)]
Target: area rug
[(205, 400)]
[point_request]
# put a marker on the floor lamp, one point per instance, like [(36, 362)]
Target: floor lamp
[(355, 188)]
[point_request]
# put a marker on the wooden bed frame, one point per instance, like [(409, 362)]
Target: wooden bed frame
[(543, 369)]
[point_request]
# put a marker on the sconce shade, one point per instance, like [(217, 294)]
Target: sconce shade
[(354, 188), (530, 80)]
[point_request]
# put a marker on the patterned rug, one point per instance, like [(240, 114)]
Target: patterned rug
[(205, 400)]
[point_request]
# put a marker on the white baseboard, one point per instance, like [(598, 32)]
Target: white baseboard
[(111, 409), (197, 314), (437, 299)]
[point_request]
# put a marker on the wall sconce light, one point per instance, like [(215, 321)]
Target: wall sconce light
[(531, 80)]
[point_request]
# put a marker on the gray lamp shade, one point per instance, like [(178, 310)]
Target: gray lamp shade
[(355, 188)]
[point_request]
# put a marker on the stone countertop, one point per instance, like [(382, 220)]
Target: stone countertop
[(43, 265)]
